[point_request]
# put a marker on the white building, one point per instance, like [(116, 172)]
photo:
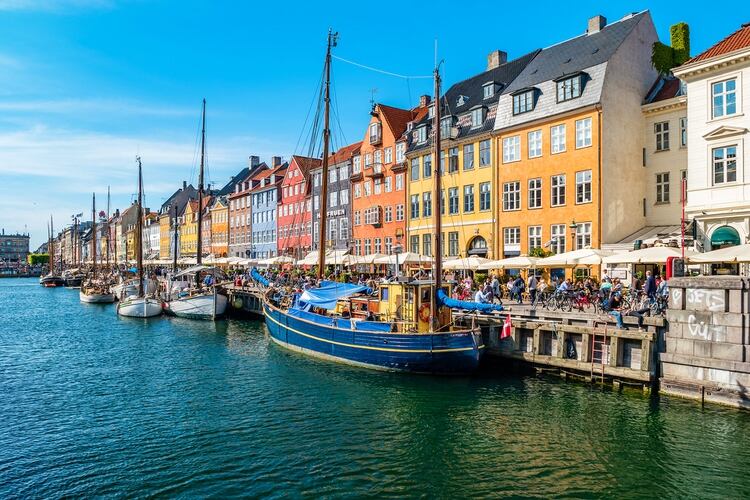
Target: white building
[(718, 90)]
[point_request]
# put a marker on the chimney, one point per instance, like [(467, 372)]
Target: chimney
[(596, 24), (424, 101), (254, 161), (275, 161), (496, 58), (184, 184)]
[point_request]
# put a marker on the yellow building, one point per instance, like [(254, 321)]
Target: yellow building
[(220, 227), (468, 163), (189, 230), (165, 235)]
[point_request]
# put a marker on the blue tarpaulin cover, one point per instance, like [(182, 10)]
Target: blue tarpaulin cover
[(257, 277), (346, 324), (465, 304), (328, 293)]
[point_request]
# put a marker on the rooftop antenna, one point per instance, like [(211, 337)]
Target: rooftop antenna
[(373, 91)]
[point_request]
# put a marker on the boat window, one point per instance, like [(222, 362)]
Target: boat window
[(384, 293), (425, 294)]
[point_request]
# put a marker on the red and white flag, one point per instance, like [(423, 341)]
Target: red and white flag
[(507, 328)]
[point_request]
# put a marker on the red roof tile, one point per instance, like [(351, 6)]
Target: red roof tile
[(305, 163), (344, 153), (737, 40), (396, 118)]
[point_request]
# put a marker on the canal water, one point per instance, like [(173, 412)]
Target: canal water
[(95, 405)]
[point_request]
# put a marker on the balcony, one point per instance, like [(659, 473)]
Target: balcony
[(357, 176), (373, 216), (376, 171), (376, 137), (399, 167)]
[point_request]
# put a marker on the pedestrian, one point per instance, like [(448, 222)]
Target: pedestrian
[(532, 288), (650, 288)]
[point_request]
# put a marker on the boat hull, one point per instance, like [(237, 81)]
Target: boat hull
[(96, 298), (431, 353), (206, 307), (51, 281), (139, 307)]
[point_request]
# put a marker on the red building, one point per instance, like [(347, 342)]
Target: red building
[(295, 208)]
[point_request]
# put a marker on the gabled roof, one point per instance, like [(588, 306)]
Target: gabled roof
[(665, 87), (305, 164), (179, 200), (740, 39), (278, 171), (395, 118), (345, 153), (576, 54)]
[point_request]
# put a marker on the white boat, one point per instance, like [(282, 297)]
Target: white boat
[(207, 305), (130, 287), (139, 307), (96, 298)]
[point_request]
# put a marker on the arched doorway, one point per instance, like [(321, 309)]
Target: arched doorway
[(721, 237), (478, 247)]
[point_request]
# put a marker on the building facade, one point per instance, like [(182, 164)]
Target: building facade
[(468, 162), (220, 227), (569, 143), (294, 235), (265, 194), (339, 211), (240, 234), (14, 247), (378, 182), (718, 120)]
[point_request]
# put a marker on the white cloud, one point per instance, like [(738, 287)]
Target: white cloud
[(73, 106)]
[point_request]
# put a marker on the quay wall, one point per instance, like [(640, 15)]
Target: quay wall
[(707, 355)]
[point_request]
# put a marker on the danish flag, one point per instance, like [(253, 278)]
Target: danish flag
[(507, 328)]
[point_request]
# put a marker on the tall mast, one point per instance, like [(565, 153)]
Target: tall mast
[(51, 245), (49, 248), (174, 233), (139, 229), (326, 137), (199, 254), (93, 231), (107, 226), (438, 186)]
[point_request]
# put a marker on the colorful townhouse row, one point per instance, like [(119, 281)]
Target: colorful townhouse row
[(584, 143)]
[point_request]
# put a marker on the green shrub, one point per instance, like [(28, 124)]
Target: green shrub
[(679, 35)]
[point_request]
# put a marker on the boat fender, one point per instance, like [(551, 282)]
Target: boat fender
[(424, 312), (237, 303)]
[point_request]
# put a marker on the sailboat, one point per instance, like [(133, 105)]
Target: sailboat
[(139, 305), (51, 279), (95, 290), (200, 299), (403, 326)]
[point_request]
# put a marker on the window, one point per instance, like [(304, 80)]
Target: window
[(400, 152), (535, 144), (426, 204), (569, 88), (558, 238), (662, 187), (388, 182), (422, 134), (484, 196), (332, 229), (683, 132), (344, 228), (316, 180), (558, 138), (372, 215), (535, 237), (469, 198), (453, 200), (332, 175), (488, 90), (445, 127), (583, 133), (378, 157), (484, 153), (512, 196), (427, 244), (583, 235), (511, 149), (661, 131), (374, 133), (357, 190), (368, 159), (399, 182), (414, 244), (558, 190), (453, 243), (724, 98), (415, 169), (316, 202), (344, 197), (368, 246), (344, 172), (477, 117), (452, 160), (388, 217), (426, 166), (357, 164), (535, 193), (378, 185), (334, 199), (512, 235), (468, 156), (368, 188), (399, 212), (388, 153), (378, 247), (583, 186), (523, 103), (414, 207), (725, 164)]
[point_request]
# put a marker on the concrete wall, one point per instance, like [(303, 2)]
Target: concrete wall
[(707, 345)]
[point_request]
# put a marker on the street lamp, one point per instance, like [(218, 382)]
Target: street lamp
[(573, 232), (397, 249)]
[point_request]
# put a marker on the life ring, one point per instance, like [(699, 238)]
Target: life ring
[(424, 312)]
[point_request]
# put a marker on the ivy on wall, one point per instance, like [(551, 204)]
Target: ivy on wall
[(664, 57)]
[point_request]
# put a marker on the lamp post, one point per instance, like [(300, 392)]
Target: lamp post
[(397, 249), (574, 233)]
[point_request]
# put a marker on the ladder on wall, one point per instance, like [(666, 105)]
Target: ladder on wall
[(599, 349)]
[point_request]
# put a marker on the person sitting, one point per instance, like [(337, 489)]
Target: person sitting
[(481, 298)]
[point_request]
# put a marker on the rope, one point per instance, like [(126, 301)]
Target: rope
[(377, 70)]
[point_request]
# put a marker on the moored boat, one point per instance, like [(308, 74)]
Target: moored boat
[(51, 279), (139, 307)]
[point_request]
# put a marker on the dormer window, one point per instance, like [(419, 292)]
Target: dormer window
[(523, 101), (462, 99), (478, 115), (431, 112), (376, 135), (446, 126), (488, 90), (569, 87), (422, 134)]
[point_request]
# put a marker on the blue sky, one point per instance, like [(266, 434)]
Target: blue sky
[(85, 85)]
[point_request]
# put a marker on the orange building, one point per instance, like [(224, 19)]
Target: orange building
[(379, 182)]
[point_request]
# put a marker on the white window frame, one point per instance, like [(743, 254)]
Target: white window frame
[(557, 139), (584, 178), (735, 93), (558, 190), (511, 196), (725, 163), (512, 149), (534, 141), (535, 193), (662, 188), (583, 133), (534, 234)]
